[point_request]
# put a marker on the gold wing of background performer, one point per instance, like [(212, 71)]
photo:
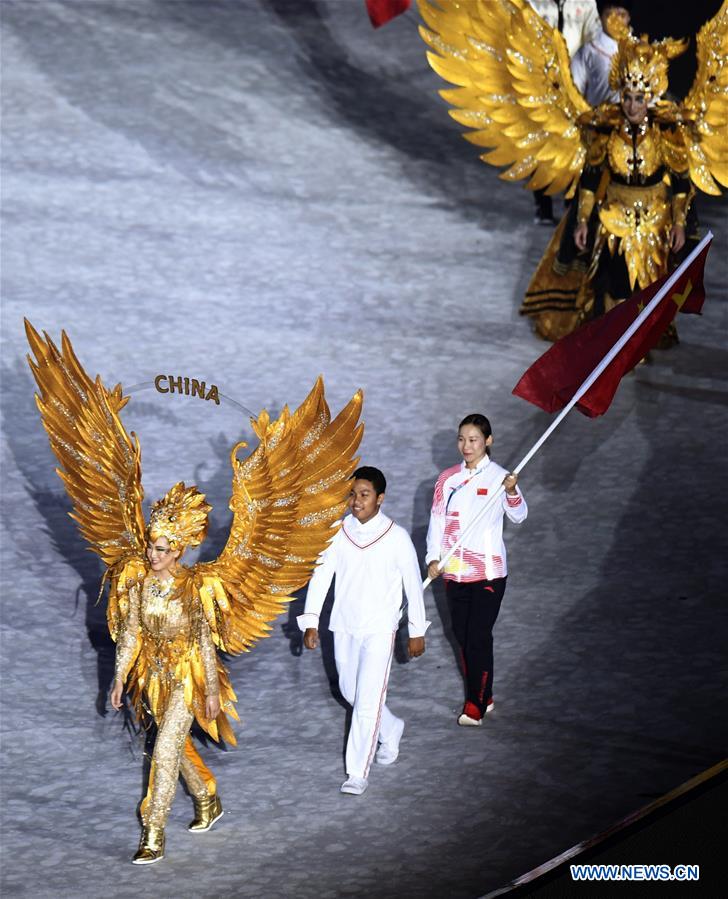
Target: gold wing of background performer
[(515, 88), (704, 112), (287, 497)]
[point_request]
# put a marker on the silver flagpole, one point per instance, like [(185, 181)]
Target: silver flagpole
[(666, 287)]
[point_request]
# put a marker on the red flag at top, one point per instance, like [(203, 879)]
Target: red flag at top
[(555, 377), (381, 11)]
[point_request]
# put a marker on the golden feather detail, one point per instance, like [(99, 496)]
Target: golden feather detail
[(514, 86), (100, 464), (704, 112), (288, 495)]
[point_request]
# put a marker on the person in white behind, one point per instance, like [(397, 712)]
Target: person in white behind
[(373, 559), (592, 61)]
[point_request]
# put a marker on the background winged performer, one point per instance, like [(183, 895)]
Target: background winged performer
[(632, 166), (168, 619)]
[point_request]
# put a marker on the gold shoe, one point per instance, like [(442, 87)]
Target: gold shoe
[(207, 811), (151, 846)]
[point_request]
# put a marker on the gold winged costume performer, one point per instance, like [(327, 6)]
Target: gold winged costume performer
[(168, 619), (631, 166)]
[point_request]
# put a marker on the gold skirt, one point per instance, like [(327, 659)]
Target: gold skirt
[(557, 295)]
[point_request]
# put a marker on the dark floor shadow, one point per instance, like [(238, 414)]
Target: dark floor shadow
[(444, 453), (433, 151), (556, 468), (328, 657), (291, 631), (326, 638), (158, 122), (359, 99), (419, 129), (294, 635), (380, 108), (695, 394), (28, 445), (638, 655)]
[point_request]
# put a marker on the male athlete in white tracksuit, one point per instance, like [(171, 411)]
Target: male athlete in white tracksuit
[(373, 559)]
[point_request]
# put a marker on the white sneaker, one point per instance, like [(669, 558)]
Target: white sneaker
[(466, 721), (489, 708), (388, 753), (354, 785)]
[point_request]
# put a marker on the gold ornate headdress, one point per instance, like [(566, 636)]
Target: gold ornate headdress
[(180, 516), (639, 65)]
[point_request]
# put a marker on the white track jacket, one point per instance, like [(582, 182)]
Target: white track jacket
[(372, 563), (459, 494)]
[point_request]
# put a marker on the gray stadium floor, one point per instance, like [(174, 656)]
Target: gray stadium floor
[(252, 193)]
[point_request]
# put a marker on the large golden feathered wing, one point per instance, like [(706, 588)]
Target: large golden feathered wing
[(705, 109), (100, 464), (514, 87), (287, 497)]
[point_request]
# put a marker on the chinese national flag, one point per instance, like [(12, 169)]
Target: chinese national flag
[(381, 11), (555, 377)]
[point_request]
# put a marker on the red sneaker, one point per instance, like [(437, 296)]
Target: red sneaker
[(470, 716)]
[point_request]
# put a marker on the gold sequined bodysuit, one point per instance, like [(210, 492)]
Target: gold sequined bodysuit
[(166, 636)]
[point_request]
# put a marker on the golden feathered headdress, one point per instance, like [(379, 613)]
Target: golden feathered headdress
[(639, 65), (180, 516)]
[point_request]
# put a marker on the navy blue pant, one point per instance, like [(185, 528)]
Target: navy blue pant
[(474, 607)]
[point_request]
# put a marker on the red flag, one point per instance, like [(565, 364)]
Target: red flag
[(555, 377), (381, 11)]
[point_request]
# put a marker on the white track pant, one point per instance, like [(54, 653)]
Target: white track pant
[(363, 664)]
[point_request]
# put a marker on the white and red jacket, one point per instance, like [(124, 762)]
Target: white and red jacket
[(372, 562), (459, 494)]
